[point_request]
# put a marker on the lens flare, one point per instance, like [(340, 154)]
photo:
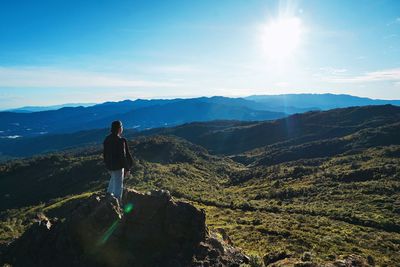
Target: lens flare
[(127, 209), (108, 233)]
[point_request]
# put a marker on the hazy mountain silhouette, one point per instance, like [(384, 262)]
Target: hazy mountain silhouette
[(28, 109), (143, 114), (140, 114), (306, 102), (230, 137)]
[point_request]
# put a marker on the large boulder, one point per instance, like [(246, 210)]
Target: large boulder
[(149, 230)]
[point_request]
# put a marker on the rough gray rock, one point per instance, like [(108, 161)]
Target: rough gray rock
[(149, 230)]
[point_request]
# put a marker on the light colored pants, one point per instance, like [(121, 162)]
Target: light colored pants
[(115, 186)]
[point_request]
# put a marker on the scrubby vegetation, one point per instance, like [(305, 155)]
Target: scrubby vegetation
[(327, 204)]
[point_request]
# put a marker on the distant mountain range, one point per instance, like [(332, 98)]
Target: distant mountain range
[(138, 114), (24, 134), (28, 109), (240, 138), (296, 103), (147, 114)]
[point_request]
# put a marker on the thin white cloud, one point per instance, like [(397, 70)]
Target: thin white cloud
[(53, 77), (374, 76), (170, 69), (333, 71), (395, 21)]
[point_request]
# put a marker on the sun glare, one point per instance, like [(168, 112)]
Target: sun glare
[(281, 37)]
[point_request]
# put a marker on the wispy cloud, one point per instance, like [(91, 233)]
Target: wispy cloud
[(169, 69), (374, 76), (53, 77), (394, 21), (333, 71)]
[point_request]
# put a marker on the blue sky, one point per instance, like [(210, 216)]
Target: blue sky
[(54, 52)]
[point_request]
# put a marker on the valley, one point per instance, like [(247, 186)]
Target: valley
[(321, 182)]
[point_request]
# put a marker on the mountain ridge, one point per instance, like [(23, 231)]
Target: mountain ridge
[(73, 119), (230, 136), (326, 205)]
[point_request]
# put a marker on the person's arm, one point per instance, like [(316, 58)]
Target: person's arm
[(127, 160), (128, 156), (121, 153)]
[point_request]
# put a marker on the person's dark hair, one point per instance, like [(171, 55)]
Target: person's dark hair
[(115, 125)]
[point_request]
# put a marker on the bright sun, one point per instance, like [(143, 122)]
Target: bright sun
[(281, 37)]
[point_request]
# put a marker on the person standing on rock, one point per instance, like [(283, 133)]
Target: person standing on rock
[(117, 158)]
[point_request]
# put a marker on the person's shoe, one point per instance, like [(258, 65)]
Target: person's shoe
[(109, 195)]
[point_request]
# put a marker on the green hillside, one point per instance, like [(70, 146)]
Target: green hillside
[(332, 193), (230, 138)]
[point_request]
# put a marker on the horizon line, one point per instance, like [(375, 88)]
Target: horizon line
[(83, 104)]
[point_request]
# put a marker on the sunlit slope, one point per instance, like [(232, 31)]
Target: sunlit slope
[(295, 129), (331, 196)]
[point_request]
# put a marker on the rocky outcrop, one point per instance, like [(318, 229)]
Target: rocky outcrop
[(149, 230)]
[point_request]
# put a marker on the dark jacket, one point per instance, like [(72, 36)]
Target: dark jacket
[(116, 153)]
